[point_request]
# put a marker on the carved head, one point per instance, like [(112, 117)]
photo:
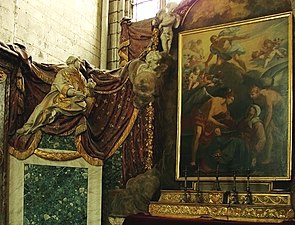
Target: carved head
[(147, 77), (144, 88), (74, 61)]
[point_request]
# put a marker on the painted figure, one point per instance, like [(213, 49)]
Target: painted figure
[(274, 110), (193, 78), (68, 96), (270, 50), (253, 133), (213, 114), (197, 48), (225, 48)]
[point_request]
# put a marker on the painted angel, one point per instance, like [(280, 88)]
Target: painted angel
[(225, 47)]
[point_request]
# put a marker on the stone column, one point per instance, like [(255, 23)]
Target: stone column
[(104, 34)]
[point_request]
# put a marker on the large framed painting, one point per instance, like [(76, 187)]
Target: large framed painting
[(235, 100)]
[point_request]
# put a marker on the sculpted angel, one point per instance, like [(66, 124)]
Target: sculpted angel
[(168, 20), (146, 78)]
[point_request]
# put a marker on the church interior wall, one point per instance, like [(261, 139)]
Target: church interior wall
[(53, 30)]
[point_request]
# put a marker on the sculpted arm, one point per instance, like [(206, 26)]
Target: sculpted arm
[(64, 86), (177, 21)]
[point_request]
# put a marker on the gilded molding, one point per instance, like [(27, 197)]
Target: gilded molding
[(266, 207), (257, 198), (30, 150), (56, 156), (223, 211), (269, 199), (187, 210)]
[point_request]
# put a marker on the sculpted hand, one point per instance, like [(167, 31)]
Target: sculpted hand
[(78, 93), (91, 83), (72, 92)]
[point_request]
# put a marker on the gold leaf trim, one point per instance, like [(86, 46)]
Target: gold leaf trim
[(124, 57), (91, 160), (150, 136), (23, 155), (80, 129), (43, 76), (124, 44), (57, 156), (125, 133), (224, 212)]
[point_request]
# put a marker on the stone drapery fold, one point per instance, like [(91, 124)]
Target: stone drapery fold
[(97, 133)]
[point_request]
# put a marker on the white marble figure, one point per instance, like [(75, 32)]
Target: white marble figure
[(167, 20)]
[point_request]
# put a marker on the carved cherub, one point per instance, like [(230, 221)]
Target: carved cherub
[(167, 20), (146, 77)]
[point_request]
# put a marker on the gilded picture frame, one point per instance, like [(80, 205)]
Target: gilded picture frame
[(235, 101)]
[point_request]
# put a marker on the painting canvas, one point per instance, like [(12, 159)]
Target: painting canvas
[(235, 100)]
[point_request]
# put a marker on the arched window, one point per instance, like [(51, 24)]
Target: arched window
[(145, 9)]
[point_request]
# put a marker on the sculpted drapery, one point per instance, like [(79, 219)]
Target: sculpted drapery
[(113, 107), (142, 148), (113, 121)]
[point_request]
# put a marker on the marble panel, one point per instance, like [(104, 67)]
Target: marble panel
[(56, 142), (51, 192), (55, 195)]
